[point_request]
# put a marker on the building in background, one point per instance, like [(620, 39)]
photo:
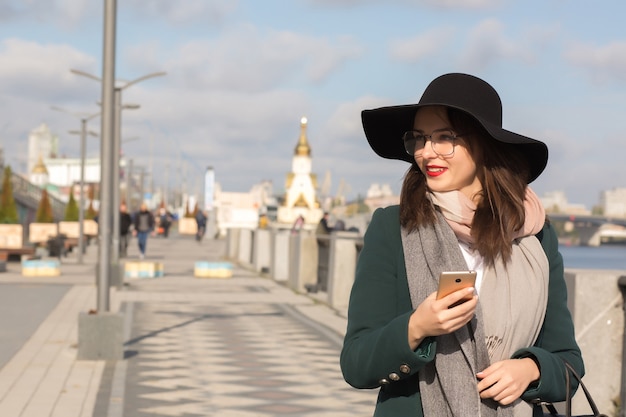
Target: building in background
[(613, 202), (264, 199), (380, 196), (556, 202), (41, 144), (65, 172), (235, 210), (39, 174), (300, 186)]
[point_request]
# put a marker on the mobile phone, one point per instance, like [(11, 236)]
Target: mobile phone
[(451, 281)]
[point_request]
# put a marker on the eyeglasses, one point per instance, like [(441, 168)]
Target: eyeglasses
[(442, 142)]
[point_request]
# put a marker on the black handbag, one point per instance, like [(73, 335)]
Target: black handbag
[(551, 410)]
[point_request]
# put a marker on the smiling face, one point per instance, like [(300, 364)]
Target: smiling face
[(447, 173)]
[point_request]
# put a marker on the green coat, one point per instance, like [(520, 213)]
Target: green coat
[(376, 352)]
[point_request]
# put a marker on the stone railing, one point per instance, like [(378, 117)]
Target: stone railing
[(324, 266), (304, 262), (29, 195)]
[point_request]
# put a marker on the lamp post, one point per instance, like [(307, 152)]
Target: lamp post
[(81, 206), (108, 86), (114, 259)]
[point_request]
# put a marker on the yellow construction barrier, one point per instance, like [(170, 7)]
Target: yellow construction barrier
[(204, 269), (41, 268), (143, 269)]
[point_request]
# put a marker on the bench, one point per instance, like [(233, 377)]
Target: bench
[(73, 242), (70, 243), (6, 254)]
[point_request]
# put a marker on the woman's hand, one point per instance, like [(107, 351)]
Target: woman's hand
[(505, 381), (435, 317)]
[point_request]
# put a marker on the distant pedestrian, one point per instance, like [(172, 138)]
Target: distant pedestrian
[(323, 228), (201, 219), (144, 225), (297, 225), (125, 224), (165, 221), (263, 221)]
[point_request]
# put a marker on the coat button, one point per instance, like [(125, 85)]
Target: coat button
[(383, 381), (405, 369), (394, 376)]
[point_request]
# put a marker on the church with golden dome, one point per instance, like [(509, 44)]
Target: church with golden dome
[(39, 174), (301, 185)]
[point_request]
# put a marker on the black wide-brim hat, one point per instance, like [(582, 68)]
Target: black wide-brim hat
[(385, 126)]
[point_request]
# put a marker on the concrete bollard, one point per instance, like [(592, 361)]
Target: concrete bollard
[(279, 250), (303, 265), (341, 269), (261, 251), (244, 254), (232, 243), (595, 301)]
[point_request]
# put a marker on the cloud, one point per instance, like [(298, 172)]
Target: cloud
[(455, 4), (435, 4), (345, 121), (247, 60), (182, 12), (34, 70), (602, 63), (70, 13), (420, 47), (65, 14), (340, 147), (8, 10), (488, 44)]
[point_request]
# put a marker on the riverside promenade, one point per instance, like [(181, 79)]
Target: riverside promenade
[(238, 347)]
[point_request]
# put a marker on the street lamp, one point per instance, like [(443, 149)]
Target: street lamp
[(81, 209), (115, 253)]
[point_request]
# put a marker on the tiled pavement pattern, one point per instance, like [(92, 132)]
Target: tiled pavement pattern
[(245, 346), (233, 360)]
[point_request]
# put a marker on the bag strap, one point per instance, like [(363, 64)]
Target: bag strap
[(568, 405), (551, 409)]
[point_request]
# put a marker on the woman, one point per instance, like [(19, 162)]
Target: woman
[(465, 205)]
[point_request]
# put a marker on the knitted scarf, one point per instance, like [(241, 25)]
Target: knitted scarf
[(508, 317)]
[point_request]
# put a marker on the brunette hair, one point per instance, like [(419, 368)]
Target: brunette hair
[(503, 173)]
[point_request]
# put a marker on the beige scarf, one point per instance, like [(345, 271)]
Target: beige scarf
[(459, 213), (509, 315)]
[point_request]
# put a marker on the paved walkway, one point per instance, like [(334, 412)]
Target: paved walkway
[(239, 347)]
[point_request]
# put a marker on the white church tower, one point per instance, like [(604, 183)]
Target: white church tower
[(301, 185), (39, 174)]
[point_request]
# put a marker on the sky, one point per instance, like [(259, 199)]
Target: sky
[(240, 74)]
